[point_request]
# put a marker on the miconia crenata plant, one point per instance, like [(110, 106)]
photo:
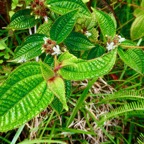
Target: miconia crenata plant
[(61, 48)]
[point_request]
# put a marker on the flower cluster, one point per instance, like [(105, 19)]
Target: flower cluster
[(39, 8), (50, 47), (112, 44)]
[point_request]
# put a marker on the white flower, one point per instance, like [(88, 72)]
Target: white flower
[(88, 34), (110, 46), (46, 18), (45, 39), (56, 50), (121, 39)]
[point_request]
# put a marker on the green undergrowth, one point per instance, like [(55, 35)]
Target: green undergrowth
[(84, 92)]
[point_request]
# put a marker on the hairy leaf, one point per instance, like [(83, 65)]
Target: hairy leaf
[(23, 95), (63, 26), (89, 69), (49, 59), (23, 12), (105, 23), (56, 104), (57, 86), (30, 48), (64, 6), (134, 58), (22, 22), (46, 70), (45, 28), (78, 41), (137, 28)]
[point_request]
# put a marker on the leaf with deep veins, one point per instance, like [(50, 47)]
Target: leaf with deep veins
[(105, 23), (57, 86), (22, 96), (63, 26), (46, 70), (65, 6), (88, 69)]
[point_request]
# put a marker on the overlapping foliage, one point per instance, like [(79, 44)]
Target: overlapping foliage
[(67, 49)]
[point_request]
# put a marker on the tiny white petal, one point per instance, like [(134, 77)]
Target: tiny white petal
[(110, 46), (88, 34), (56, 50), (46, 18), (121, 39), (37, 58)]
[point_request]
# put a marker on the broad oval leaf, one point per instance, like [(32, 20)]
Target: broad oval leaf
[(89, 69), (30, 48), (57, 86), (22, 22), (20, 13), (134, 58), (137, 28), (105, 23), (65, 6), (78, 41), (23, 95), (63, 26)]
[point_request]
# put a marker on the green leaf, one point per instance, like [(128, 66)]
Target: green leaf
[(45, 28), (20, 13), (49, 59), (67, 59), (68, 87), (134, 58), (133, 108), (89, 69), (91, 22), (2, 44), (78, 41), (1, 61), (137, 28), (22, 20), (30, 48), (57, 86), (23, 95), (46, 70), (105, 23), (65, 6), (56, 104), (95, 52), (63, 26), (140, 10)]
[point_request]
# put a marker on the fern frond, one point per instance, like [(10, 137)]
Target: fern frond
[(134, 107), (124, 94), (140, 139)]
